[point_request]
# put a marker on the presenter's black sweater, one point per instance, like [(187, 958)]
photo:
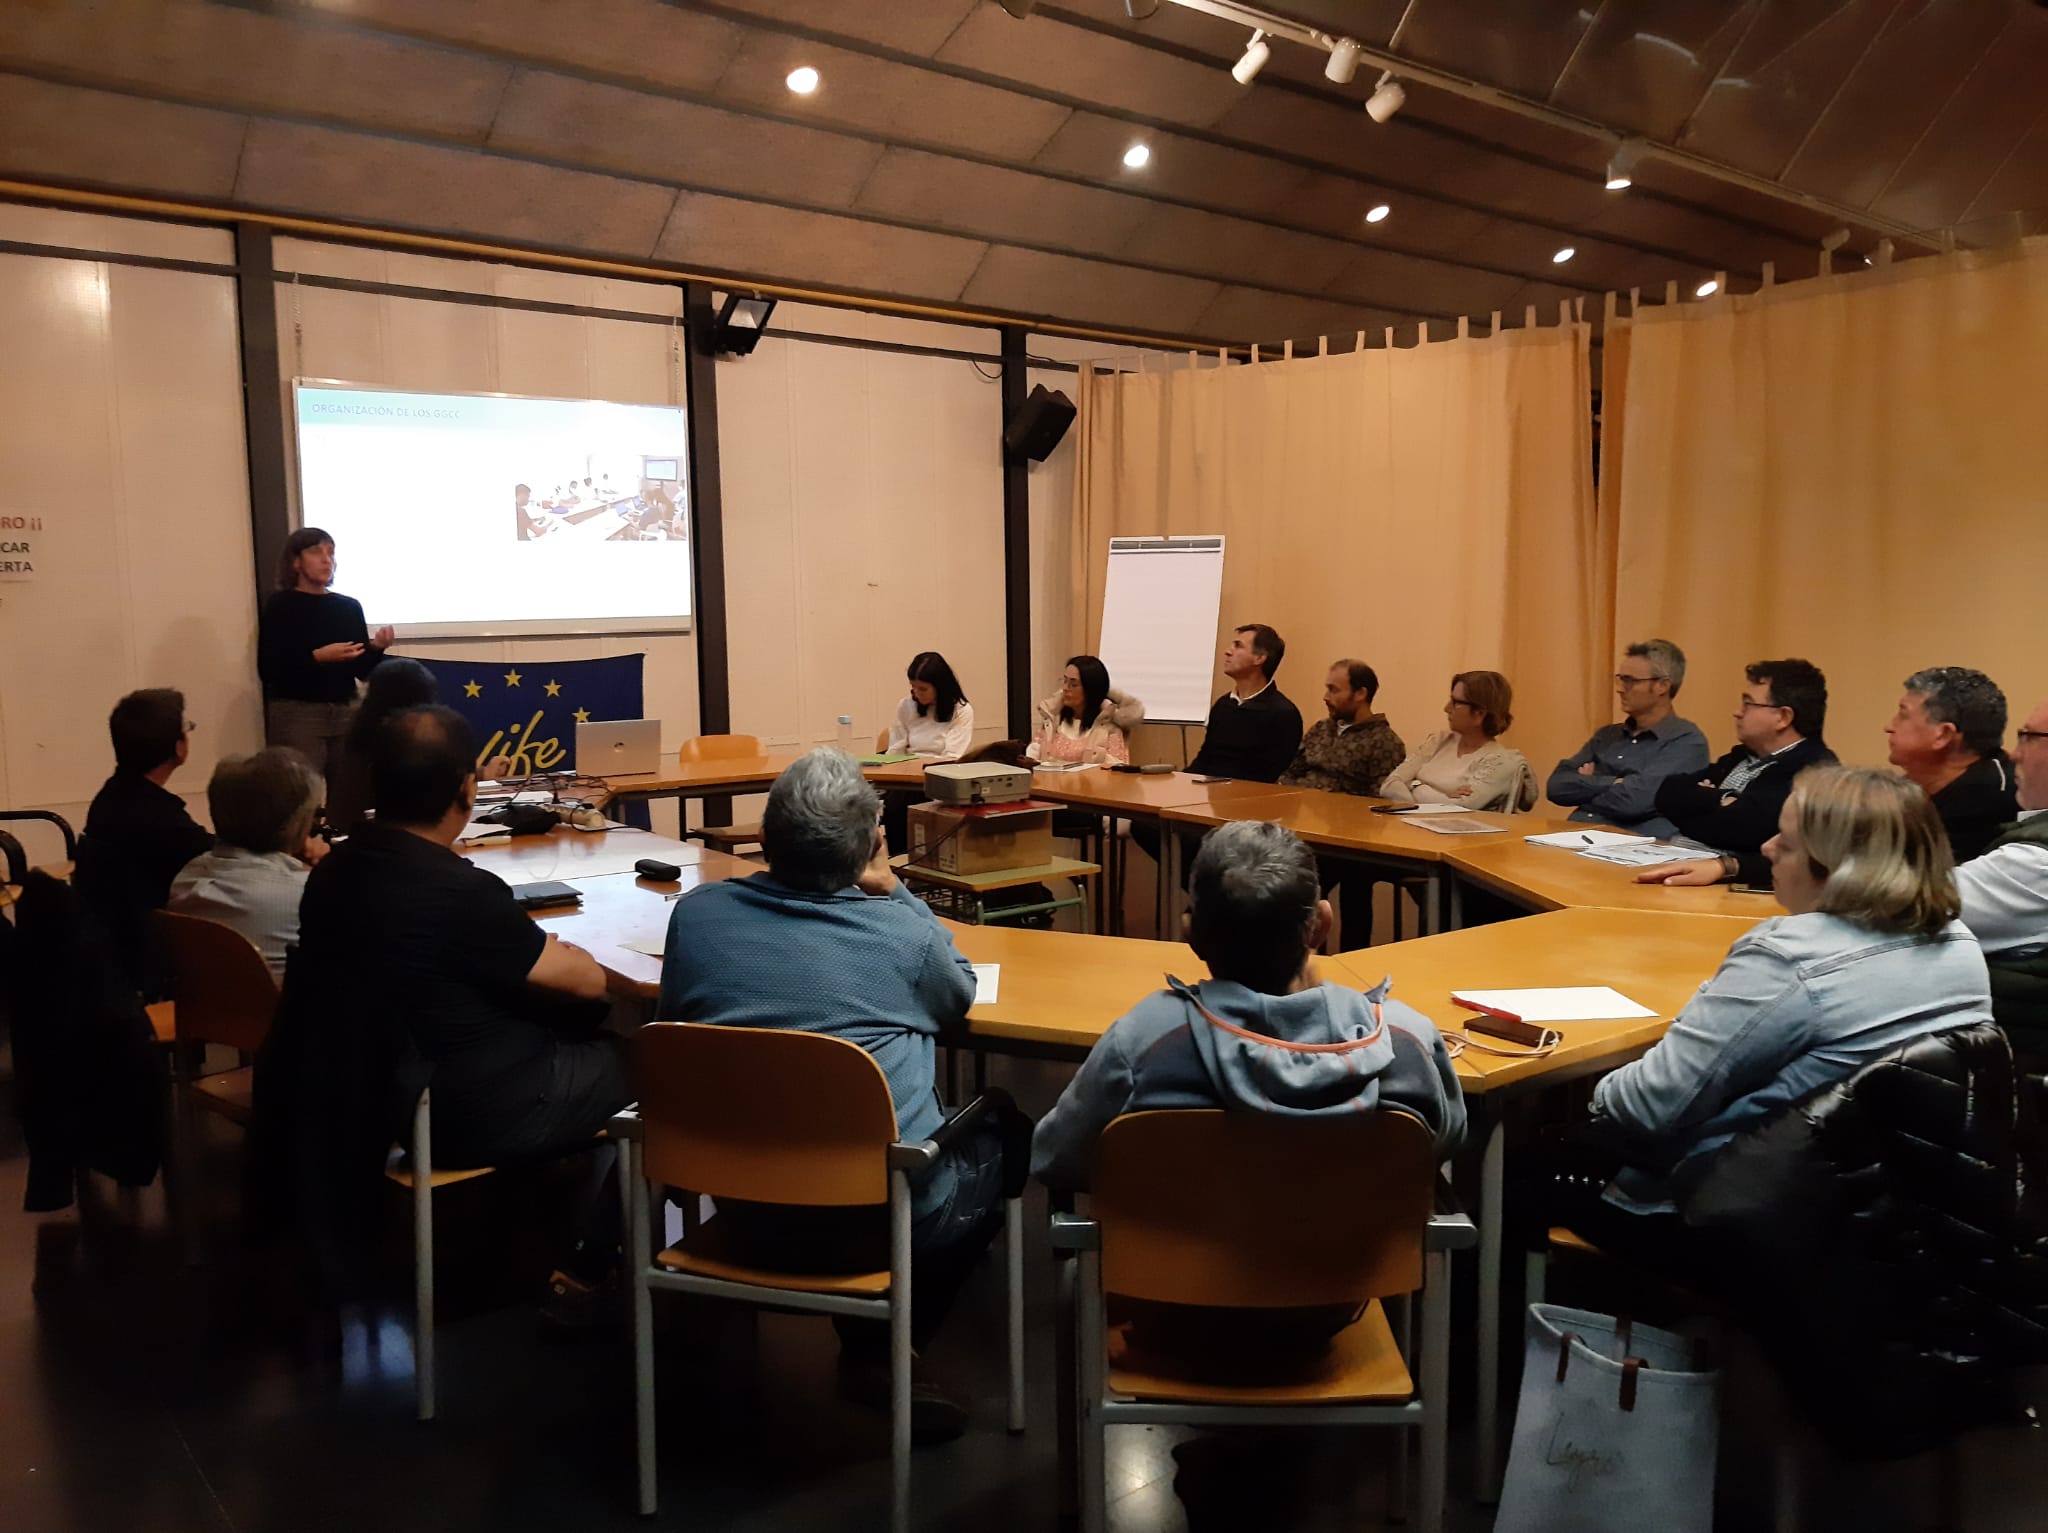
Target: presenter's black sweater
[(1253, 740), (294, 624)]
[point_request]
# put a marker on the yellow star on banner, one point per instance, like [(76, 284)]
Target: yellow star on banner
[(511, 678), (583, 715), (472, 689), (554, 689)]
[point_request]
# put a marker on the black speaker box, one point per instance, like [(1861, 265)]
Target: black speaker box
[(1038, 424)]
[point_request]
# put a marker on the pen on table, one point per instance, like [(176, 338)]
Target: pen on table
[(1485, 1011), (1584, 840)]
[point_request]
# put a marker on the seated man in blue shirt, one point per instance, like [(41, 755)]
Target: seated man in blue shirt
[(1613, 779), (828, 940)]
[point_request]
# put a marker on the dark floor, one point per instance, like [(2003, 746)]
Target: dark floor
[(140, 1393)]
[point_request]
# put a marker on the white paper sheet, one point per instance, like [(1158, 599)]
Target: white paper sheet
[(1422, 809), (1558, 1003), (987, 983), (653, 947), (1445, 827), (1579, 840)]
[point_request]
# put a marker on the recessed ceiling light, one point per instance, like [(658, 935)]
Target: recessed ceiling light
[(803, 81), (1565, 255), (1374, 215), (1706, 289), (1138, 156)]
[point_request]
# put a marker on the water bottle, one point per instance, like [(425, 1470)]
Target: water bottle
[(846, 733)]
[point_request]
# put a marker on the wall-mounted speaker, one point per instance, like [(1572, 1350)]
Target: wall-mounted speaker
[(1034, 429)]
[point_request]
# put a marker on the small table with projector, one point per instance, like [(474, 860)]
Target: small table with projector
[(982, 832)]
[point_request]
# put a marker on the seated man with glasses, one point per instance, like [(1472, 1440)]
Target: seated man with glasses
[(1614, 777), (2005, 900), (1734, 807), (138, 833)]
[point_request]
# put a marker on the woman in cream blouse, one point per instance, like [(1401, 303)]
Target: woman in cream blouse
[(1465, 764)]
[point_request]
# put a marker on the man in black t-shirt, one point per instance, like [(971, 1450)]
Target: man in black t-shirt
[(506, 1015), (1253, 729)]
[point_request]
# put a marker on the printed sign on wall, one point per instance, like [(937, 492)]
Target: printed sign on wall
[(20, 538)]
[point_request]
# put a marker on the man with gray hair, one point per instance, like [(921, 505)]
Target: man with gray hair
[(1613, 779), (828, 940), (1261, 1035), (1948, 736), (263, 807)]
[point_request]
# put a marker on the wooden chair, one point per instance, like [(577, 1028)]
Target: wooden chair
[(222, 992), (1238, 1211), (785, 1117), (881, 742), (414, 1171), (724, 838)]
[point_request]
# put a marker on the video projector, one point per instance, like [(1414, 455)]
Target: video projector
[(979, 782)]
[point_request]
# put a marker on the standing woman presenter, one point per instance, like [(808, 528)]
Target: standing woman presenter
[(312, 647)]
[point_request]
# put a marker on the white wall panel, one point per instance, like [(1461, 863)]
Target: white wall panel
[(121, 423)]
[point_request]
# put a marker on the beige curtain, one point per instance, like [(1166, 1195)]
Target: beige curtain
[(1852, 469), (1428, 509)]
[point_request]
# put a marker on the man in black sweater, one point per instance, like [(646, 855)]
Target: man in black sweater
[(1949, 737), (1253, 729), (138, 834), (1734, 808)]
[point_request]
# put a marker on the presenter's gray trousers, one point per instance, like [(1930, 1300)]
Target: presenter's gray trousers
[(315, 730)]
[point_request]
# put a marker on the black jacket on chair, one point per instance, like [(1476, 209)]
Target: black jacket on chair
[(88, 1075), (1882, 1242)]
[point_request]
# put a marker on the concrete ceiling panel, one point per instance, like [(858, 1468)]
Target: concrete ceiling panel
[(1092, 145), (1087, 66), (370, 179), (1780, 78), (1978, 127), (648, 40), (612, 128), (1247, 314), (1388, 281), (918, 28), (1091, 292), (237, 58), (1001, 204), (1235, 249), (67, 133), (886, 97), (787, 245)]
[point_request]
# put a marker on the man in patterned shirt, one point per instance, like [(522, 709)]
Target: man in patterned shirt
[(1351, 751)]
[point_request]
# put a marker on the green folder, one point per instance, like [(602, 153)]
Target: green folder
[(886, 760)]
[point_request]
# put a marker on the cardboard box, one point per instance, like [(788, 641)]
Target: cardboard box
[(950, 840)]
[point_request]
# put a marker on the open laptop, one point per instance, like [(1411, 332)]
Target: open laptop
[(619, 748)]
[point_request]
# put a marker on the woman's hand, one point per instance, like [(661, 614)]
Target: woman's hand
[(337, 652), (1462, 791), (382, 638), (1689, 874)]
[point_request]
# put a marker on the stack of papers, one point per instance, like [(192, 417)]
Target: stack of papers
[(987, 983), (1649, 853), (476, 832), (1579, 840), (1554, 1003), (1444, 826)]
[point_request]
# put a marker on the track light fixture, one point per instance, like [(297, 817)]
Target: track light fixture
[(1835, 239), (1256, 52), (1387, 98), (1343, 62), (1621, 165)]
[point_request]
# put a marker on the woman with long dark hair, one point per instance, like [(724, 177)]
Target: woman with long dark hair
[(312, 647), (936, 719), (397, 684), (1087, 719)]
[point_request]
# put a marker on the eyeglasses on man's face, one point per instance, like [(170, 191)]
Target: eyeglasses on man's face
[(2026, 737), (1749, 702), (1621, 680)]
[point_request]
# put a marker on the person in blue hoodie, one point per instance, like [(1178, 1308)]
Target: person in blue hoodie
[(1235, 1041)]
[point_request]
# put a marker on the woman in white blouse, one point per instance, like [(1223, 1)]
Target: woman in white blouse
[(936, 719), (1087, 719), (1465, 764)]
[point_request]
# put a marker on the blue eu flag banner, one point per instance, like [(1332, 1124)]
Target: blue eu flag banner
[(529, 710)]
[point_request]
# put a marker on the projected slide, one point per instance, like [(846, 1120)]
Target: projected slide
[(460, 513)]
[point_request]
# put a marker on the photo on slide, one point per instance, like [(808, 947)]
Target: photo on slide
[(416, 488)]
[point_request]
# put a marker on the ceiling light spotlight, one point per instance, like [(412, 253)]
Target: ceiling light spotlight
[(1246, 69), (1621, 165), (1835, 239), (1137, 157), (1343, 62), (1387, 98), (1376, 214), (1707, 289), (1564, 255), (803, 81)]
